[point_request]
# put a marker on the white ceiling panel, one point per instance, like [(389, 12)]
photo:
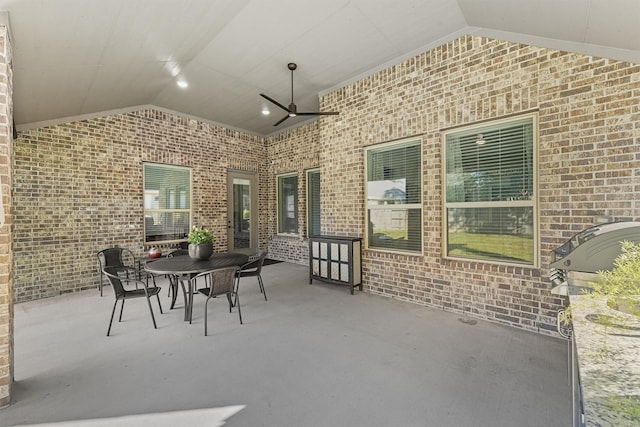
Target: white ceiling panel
[(614, 24), (50, 101), (109, 90), (76, 57), (566, 19), (412, 24)]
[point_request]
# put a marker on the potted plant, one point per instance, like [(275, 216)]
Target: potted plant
[(200, 243)]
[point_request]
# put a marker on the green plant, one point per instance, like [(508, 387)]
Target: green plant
[(628, 405), (621, 285), (199, 236)]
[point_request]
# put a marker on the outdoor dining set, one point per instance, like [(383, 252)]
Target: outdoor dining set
[(133, 276)]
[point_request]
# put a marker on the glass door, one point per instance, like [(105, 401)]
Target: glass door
[(242, 212)]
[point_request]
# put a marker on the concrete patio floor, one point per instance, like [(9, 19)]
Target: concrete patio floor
[(310, 356)]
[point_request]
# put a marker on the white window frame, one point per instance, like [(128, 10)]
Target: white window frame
[(279, 204), (388, 147), (532, 203)]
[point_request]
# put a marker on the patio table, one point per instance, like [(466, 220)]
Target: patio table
[(183, 267)]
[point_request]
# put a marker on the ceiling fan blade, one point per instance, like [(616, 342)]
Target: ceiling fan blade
[(292, 109), (319, 113), (275, 102), (281, 120)]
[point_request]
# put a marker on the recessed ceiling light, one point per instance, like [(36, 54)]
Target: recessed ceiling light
[(265, 111), (182, 84)]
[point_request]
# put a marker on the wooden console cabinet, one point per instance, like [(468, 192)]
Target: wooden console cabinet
[(336, 260)]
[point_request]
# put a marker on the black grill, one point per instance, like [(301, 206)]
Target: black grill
[(595, 248), (589, 251)]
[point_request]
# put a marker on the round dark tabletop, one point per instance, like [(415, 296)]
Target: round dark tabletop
[(184, 264)]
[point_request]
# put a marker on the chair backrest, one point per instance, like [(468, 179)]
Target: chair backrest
[(112, 274), (222, 280), (255, 262), (114, 257), (178, 252)]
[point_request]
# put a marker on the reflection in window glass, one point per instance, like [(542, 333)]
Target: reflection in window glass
[(288, 204), (490, 193), (500, 233), (313, 203), (394, 196)]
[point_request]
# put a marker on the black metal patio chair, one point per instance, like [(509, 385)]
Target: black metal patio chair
[(253, 268), (116, 278), (120, 258), (221, 282)]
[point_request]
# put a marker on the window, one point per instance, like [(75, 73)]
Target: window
[(313, 202), (490, 192), (167, 203), (288, 204), (394, 196)]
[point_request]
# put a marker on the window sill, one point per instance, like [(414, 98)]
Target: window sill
[(289, 235), (393, 252), (452, 260)]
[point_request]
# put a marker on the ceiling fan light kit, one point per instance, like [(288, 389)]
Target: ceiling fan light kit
[(292, 110)]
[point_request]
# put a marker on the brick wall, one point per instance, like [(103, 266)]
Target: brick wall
[(78, 186), (6, 270), (78, 189), (588, 154), (296, 150)]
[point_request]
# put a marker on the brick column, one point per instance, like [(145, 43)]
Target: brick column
[(6, 256)]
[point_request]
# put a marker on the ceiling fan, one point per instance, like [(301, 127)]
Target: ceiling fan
[(292, 110)]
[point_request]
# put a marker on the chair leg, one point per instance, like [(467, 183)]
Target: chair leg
[(100, 284), (236, 289), (205, 316), (151, 310), (238, 305), (159, 305), (121, 309), (111, 320), (192, 287), (261, 284), (127, 274)]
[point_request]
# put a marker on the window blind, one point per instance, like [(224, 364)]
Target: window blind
[(288, 204), (489, 174), (167, 202), (394, 196), (491, 164)]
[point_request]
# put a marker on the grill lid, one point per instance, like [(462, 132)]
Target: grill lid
[(595, 248)]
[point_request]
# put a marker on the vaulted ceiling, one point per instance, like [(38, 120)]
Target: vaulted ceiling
[(77, 58)]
